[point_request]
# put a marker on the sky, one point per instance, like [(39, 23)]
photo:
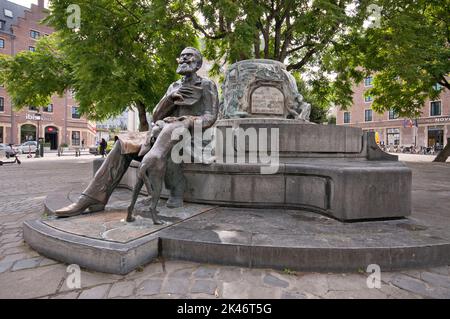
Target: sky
[(27, 3)]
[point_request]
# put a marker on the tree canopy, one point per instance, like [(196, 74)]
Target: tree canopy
[(124, 51), (407, 52)]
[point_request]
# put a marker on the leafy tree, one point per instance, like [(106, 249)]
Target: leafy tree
[(299, 33), (123, 54), (407, 52), (31, 77)]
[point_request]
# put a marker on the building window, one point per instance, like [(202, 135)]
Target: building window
[(75, 138), (2, 104), (368, 81), (1, 134), (75, 112), (2, 44), (393, 115), (32, 49), (346, 117), (8, 13), (393, 136), (368, 99), (368, 115), (33, 108), (35, 34), (48, 108), (2, 24), (435, 109)]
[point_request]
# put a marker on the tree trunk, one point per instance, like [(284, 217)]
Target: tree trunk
[(142, 112), (444, 154)]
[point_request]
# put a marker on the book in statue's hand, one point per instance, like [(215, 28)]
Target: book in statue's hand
[(190, 94)]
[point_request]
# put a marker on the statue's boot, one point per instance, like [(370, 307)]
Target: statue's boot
[(84, 203)]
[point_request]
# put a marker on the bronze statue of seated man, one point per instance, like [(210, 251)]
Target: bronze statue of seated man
[(189, 99)]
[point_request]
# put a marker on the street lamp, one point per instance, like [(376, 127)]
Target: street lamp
[(38, 118)]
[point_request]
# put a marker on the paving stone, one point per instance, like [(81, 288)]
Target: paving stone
[(98, 292), (235, 290), (393, 292), (275, 282), (27, 263), (10, 240), (421, 288), (167, 296), (293, 295), (316, 284), (264, 293), (149, 271), (31, 283), (440, 270), (252, 276), (12, 231), (227, 274), (10, 235), (182, 273), (205, 272), (150, 287), (15, 250), (346, 282), (409, 273), (436, 279), (47, 261), (173, 265), (13, 245), (14, 258), (67, 295), (356, 294), (122, 289), (4, 266), (175, 286), (201, 296), (204, 286), (91, 279)]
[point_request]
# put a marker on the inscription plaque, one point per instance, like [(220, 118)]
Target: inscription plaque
[(267, 100)]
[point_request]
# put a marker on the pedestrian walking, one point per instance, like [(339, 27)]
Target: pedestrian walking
[(103, 145)]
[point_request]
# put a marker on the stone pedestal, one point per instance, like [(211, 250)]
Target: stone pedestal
[(333, 170)]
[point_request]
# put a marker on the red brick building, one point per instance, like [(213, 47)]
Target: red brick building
[(60, 121), (432, 128)]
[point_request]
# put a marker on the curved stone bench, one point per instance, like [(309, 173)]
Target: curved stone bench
[(334, 170)]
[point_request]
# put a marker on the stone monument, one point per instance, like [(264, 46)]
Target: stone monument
[(288, 178)]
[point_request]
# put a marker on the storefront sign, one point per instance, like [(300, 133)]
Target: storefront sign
[(442, 119), (32, 117)]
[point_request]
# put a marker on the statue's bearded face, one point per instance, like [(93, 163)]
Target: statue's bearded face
[(188, 62)]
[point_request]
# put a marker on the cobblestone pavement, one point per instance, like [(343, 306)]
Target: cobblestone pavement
[(26, 274)]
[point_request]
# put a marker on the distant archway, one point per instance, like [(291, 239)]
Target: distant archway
[(27, 133), (51, 136)]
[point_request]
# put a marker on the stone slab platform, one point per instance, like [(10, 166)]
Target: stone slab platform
[(274, 238), (304, 241), (103, 241)]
